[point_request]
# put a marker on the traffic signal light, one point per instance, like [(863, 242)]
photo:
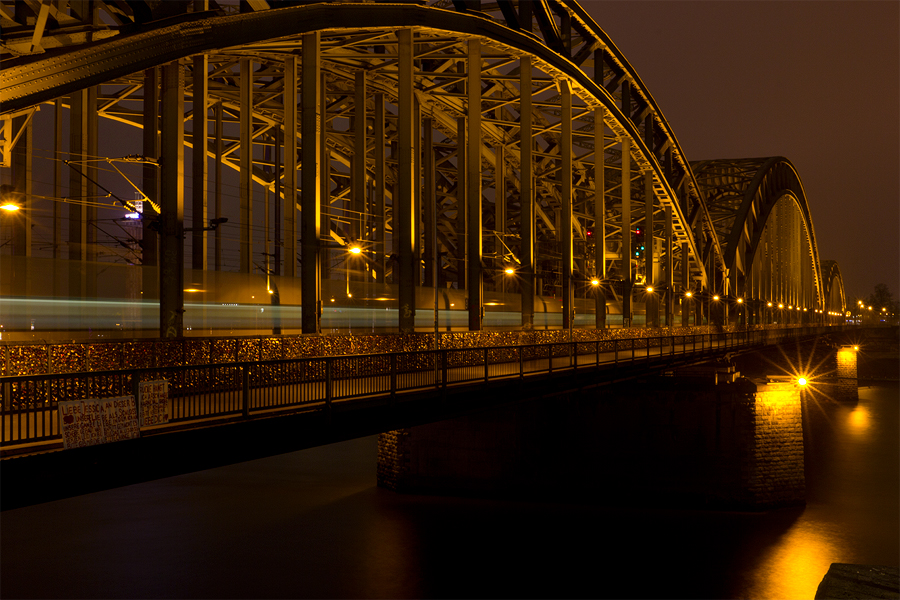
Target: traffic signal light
[(638, 241)]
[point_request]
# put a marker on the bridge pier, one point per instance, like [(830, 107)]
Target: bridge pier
[(846, 386), (684, 440)]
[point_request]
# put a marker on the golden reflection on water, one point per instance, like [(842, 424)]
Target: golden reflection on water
[(795, 565), (858, 419)]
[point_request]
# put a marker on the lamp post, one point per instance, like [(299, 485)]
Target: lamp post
[(686, 309)]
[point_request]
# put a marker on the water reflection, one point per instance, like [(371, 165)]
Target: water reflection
[(858, 419), (312, 524), (796, 563)]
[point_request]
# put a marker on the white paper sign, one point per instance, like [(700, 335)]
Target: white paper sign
[(98, 421), (154, 401)]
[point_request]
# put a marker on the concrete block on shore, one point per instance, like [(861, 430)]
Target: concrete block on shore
[(859, 581)]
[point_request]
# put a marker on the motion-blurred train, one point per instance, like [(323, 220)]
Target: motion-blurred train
[(44, 299)]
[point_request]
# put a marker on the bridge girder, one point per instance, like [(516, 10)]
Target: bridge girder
[(565, 48), (750, 199), (835, 299)]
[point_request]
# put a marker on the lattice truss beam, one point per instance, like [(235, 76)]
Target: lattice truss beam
[(440, 76), (750, 202), (562, 27)]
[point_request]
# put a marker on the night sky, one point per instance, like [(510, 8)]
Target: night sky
[(816, 82)]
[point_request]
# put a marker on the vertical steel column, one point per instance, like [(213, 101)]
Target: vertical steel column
[(93, 149), (311, 189), (358, 177), (57, 180), (171, 269), (500, 194), (670, 275), (685, 282), (404, 225), (78, 188), (651, 300), (704, 283), (473, 186), (461, 208), (22, 179), (417, 193), (526, 194), (199, 167), (218, 192), (246, 176), (432, 257), (429, 205), (379, 214), (625, 252), (324, 187), (565, 173), (599, 217), (290, 166), (278, 202), (500, 213)]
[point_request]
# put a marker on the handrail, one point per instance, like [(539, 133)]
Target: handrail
[(207, 393)]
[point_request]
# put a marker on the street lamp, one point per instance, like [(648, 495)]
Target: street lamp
[(687, 297)]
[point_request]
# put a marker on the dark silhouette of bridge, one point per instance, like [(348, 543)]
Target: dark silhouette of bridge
[(501, 163), (488, 187)]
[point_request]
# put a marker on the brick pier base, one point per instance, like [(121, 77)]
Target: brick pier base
[(665, 441)]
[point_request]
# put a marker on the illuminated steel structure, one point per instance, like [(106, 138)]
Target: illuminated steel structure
[(450, 141)]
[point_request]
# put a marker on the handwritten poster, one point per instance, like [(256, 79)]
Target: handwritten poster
[(119, 416), (80, 423), (98, 421), (154, 401)]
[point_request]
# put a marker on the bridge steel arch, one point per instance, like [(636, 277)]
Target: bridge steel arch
[(395, 128), (761, 212), (835, 299)]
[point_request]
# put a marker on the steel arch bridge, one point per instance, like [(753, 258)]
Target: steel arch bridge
[(445, 144)]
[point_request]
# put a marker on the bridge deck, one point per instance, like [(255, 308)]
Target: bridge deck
[(212, 394)]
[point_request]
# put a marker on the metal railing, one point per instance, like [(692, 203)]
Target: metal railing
[(207, 393)]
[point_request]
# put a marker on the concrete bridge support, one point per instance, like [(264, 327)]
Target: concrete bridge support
[(668, 440), (846, 386)]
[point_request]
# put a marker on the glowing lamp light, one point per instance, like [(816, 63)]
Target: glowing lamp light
[(740, 300), (715, 298), (688, 294), (10, 207), (509, 270), (780, 305), (650, 289), (355, 250), (769, 304), (802, 380), (595, 282)]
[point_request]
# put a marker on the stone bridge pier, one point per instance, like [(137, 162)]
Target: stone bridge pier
[(694, 437)]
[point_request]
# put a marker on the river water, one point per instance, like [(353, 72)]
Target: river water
[(313, 524)]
